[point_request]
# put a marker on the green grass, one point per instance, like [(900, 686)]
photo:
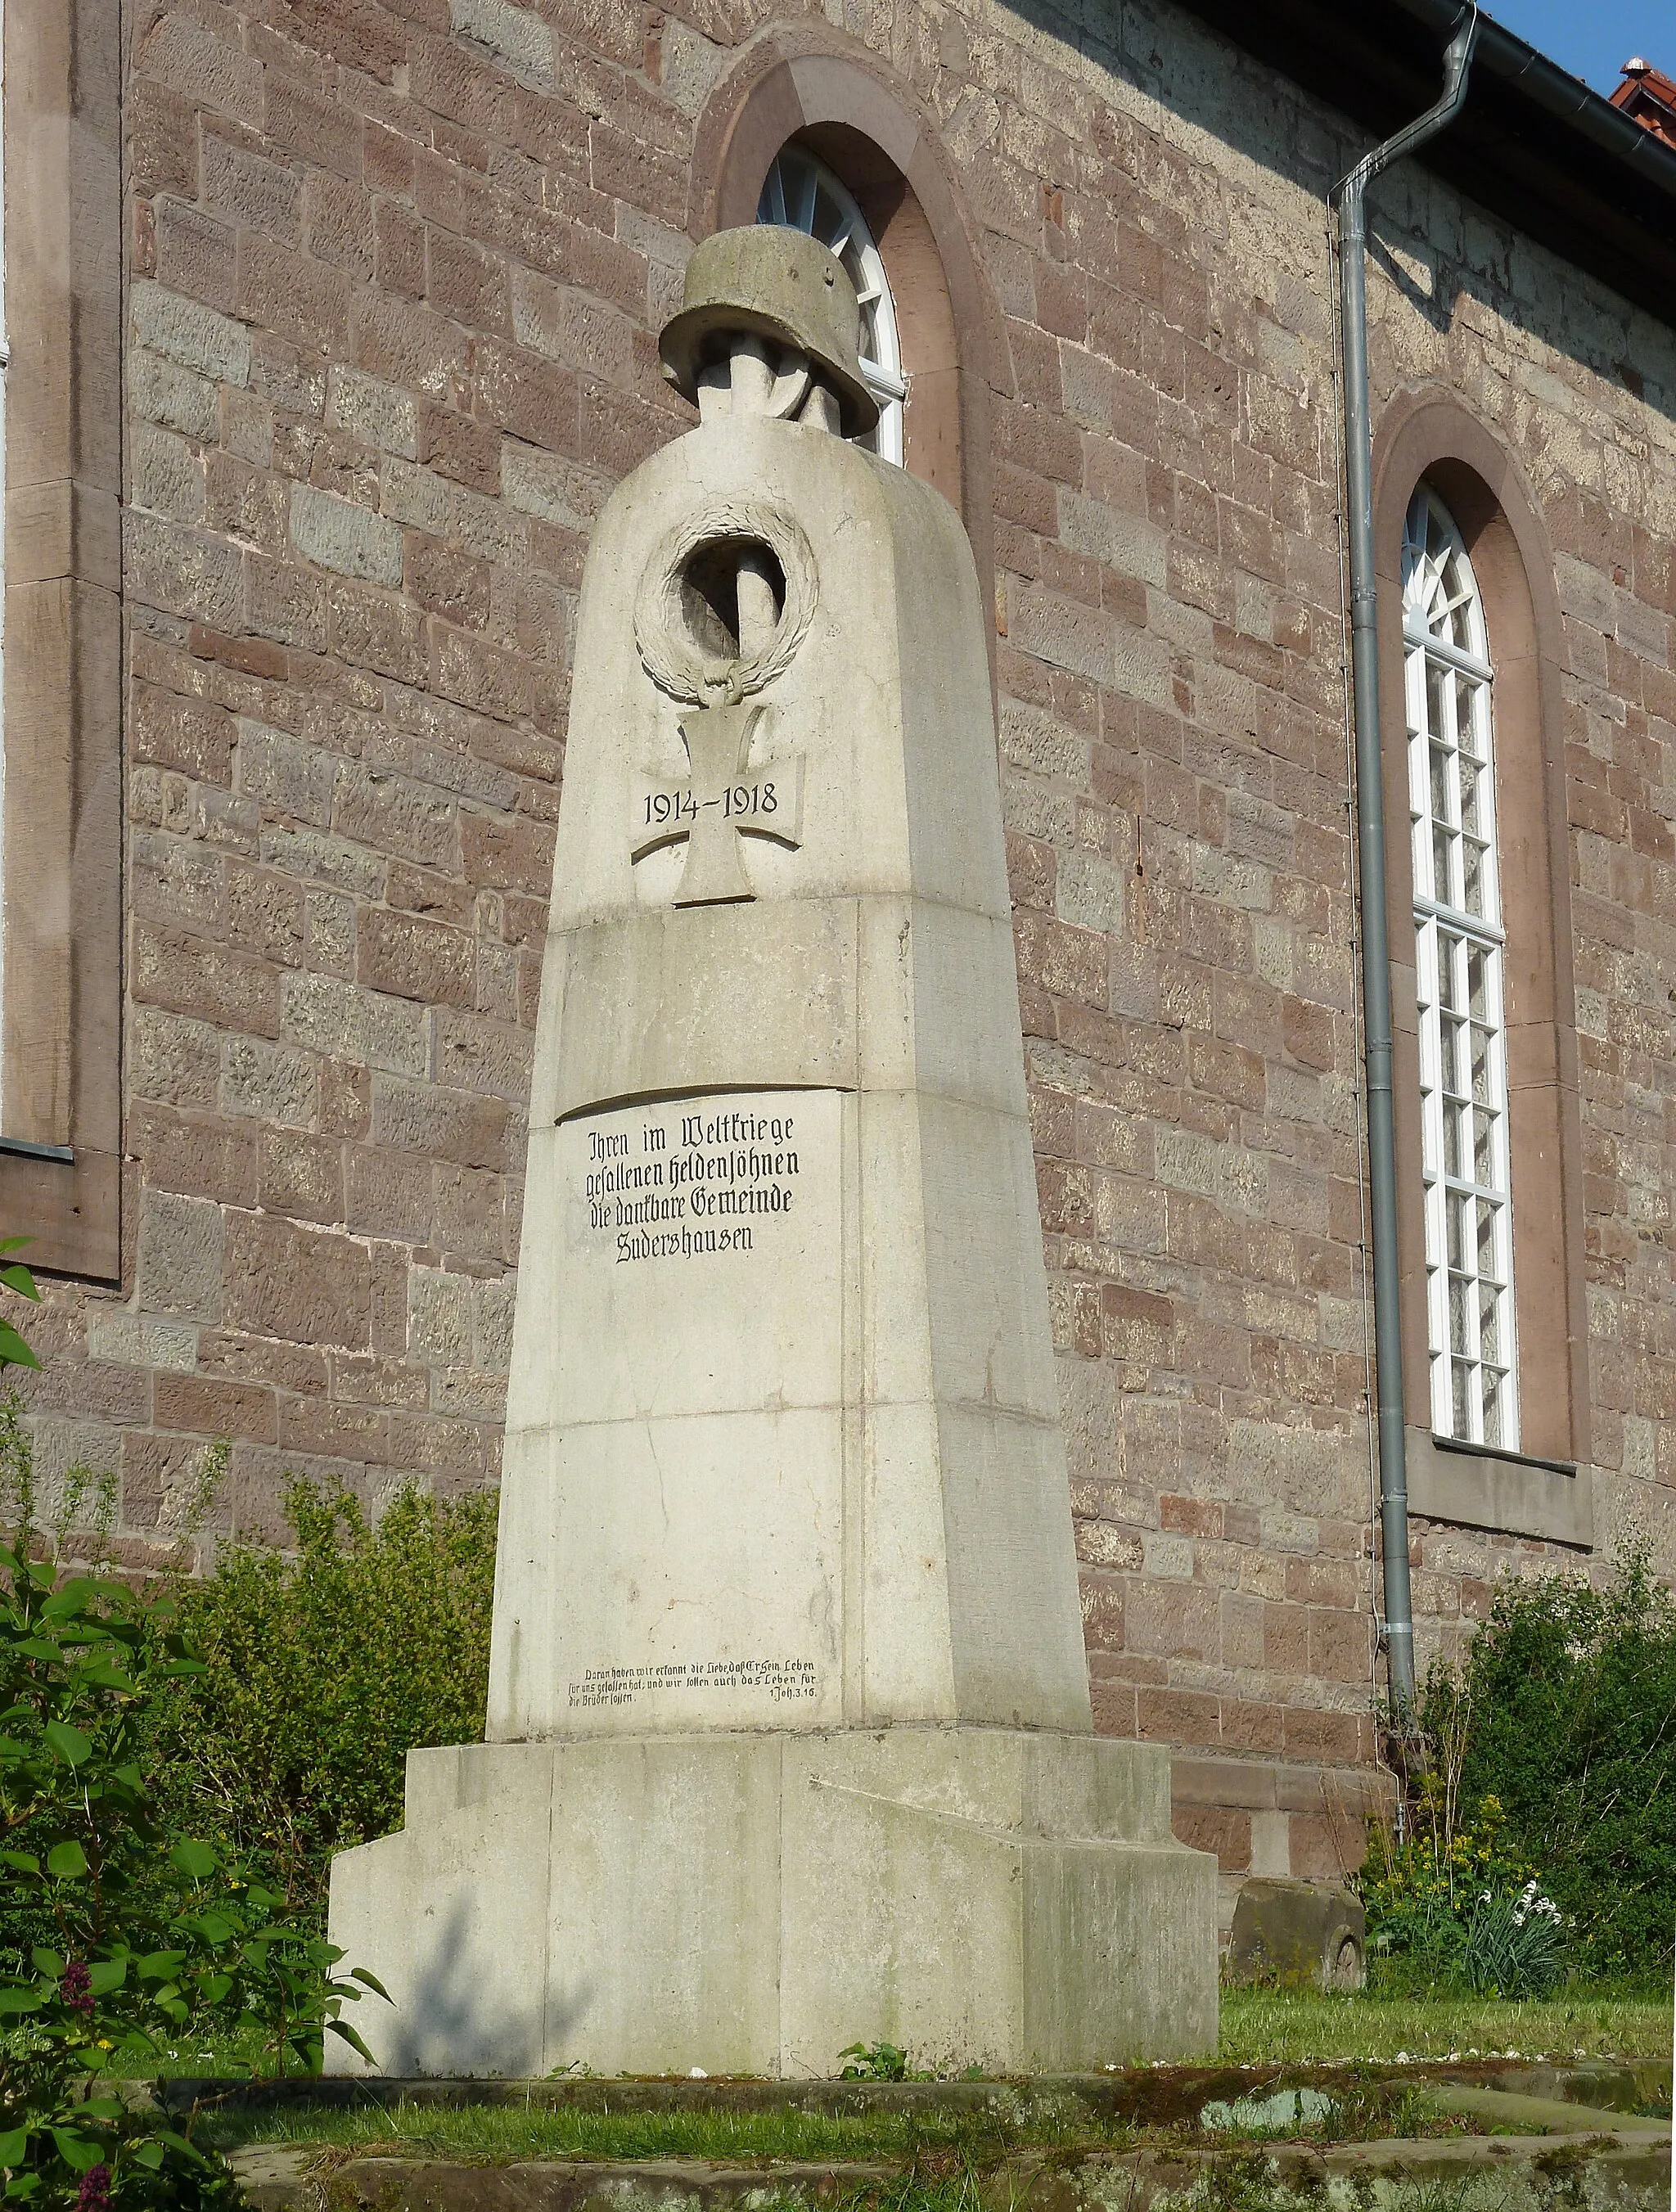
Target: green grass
[(930, 2140), (499, 2131), (1295, 2025), (1257, 2026), (1301, 2026)]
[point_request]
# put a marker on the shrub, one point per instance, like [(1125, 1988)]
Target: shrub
[(150, 1937), (322, 1669), (1566, 1712), (116, 1936), (1541, 1796)]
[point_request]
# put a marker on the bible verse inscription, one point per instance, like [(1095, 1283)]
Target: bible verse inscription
[(690, 1183), (782, 1682)]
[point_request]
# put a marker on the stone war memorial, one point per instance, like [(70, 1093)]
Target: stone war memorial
[(789, 1728)]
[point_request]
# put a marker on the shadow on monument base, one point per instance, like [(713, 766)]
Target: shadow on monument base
[(751, 1903)]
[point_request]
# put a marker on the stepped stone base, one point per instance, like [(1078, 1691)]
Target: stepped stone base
[(752, 1903)]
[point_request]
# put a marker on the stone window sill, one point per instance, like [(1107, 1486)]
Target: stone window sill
[(1504, 1491)]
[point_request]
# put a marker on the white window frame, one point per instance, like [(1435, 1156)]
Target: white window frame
[(801, 193), (1459, 937)]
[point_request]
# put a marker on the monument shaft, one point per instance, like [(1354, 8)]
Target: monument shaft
[(782, 1393)]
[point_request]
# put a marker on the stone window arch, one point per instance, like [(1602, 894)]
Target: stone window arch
[(1434, 459), (794, 96), (802, 192)]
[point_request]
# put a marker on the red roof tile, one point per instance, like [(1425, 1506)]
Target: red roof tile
[(1646, 96)]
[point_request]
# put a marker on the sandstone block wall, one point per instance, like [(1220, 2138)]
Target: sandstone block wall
[(393, 278)]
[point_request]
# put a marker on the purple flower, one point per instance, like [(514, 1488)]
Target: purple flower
[(77, 1989), (94, 2194)]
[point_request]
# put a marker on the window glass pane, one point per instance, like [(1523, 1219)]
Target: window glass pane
[(1481, 1047), (1468, 692), (1440, 783), (1454, 1059), (1484, 1156), (1489, 1311), (1457, 1231), (1486, 1240), (1494, 1386), (1461, 630), (1435, 721)]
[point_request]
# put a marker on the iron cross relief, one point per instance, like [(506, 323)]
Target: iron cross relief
[(723, 799)]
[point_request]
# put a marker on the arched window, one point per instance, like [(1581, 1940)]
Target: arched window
[(804, 194), (1458, 940)]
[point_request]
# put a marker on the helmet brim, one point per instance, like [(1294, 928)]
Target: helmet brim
[(686, 340)]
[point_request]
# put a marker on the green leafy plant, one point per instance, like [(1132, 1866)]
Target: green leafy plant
[(117, 1936), (1566, 1711), (321, 1668), (1540, 1798), (1458, 1908), (14, 1351), (872, 2062), (1514, 1946)]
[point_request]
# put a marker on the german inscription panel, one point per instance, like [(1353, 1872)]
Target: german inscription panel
[(689, 1184), (701, 1386)]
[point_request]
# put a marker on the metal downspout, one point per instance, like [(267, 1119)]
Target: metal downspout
[(1349, 200)]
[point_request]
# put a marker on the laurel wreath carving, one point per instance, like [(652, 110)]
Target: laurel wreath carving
[(672, 658)]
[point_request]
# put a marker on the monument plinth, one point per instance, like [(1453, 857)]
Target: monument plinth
[(789, 1730)]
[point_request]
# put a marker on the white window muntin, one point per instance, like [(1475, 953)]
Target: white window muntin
[(1458, 946), (801, 193)]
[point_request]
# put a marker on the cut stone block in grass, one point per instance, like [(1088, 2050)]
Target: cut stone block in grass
[(1474, 2174), (1490, 2135)]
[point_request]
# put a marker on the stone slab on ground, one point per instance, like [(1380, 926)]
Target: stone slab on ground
[(1299, 1933), (1555, 2150), (1548, 2115), (1587, 2172)]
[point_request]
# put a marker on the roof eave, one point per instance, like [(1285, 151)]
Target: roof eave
[(1535, 146)]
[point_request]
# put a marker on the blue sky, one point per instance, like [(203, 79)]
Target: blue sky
[(1594, 39)]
